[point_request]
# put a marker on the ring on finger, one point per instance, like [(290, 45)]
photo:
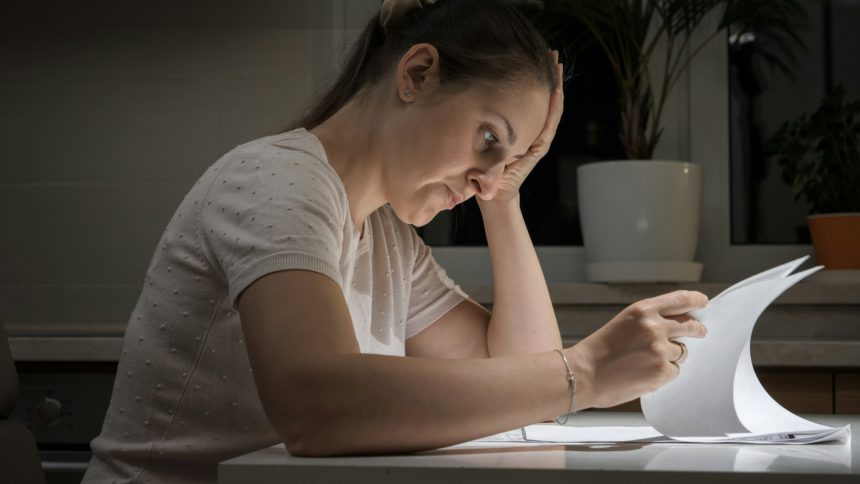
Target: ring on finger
[(683, 351)]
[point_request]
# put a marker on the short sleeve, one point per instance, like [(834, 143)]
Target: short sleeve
[(433, 293), (270, 210)]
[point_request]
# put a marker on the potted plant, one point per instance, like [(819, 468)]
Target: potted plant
[(640, 221), (820, 158)]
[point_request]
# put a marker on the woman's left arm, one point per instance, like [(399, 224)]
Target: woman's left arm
[(523, 320)]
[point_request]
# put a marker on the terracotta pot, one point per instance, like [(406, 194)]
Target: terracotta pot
[(836, 238)]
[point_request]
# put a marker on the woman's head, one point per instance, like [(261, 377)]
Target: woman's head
[(448, 79), (477, 40)]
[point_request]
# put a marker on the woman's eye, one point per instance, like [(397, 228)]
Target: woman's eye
[(489, 138)]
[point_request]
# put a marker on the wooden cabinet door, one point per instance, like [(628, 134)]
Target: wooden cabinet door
[(848, 393)]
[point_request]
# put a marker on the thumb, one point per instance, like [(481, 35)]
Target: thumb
[(679, 302)]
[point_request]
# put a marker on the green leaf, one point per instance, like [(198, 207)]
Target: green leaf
[(820, 154), (628, 32)]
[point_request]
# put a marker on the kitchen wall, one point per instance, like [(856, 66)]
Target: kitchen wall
[(109, 111)]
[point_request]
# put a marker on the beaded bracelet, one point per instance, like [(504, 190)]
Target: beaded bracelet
[(571, 381)]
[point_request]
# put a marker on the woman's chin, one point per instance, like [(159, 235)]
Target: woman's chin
[(423, 219), (418, 218)]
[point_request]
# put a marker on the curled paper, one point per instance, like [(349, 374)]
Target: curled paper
[(717, 395)]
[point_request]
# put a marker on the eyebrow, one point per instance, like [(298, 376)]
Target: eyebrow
[(512, 137)]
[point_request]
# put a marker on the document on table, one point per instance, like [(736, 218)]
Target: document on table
[(717, 397), (551, 434)]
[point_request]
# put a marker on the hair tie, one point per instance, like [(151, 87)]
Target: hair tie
[(391, 11)]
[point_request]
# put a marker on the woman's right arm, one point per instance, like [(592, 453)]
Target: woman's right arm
[(324, 397)]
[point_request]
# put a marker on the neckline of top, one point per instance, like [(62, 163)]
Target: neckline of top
[(363, 233)]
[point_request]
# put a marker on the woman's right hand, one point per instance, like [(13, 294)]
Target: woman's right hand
[(632, 354)]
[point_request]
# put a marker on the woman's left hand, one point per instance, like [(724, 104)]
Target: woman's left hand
[(515, 173)]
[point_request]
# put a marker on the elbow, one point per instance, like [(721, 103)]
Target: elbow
[(311, 420), (298, 446), (300, 434), (311, 435), (307, 422), (301, 448)]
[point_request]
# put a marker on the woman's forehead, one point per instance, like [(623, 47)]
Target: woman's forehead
[(512, 101)]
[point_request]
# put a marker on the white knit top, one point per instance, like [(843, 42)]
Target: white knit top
[(184, 398)]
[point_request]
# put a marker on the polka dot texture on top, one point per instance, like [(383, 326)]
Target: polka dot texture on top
[(184, 397)]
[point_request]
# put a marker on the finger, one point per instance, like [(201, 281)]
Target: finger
[(559, 68), (541, 144), (686, 354), (681, 318), (678, 302), (691, 328), (677, 370), (556, 106), (679, 352), (556, 100), (521, 168)]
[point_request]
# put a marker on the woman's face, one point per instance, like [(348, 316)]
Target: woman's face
[(448, 147)]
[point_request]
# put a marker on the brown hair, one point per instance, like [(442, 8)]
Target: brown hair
[(477, 40)]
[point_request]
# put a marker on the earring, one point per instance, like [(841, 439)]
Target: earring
[(407, 93)]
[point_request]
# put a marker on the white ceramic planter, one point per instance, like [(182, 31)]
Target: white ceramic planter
[(640, 220)]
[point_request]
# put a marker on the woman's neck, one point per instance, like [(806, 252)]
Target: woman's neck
[(348, 140)]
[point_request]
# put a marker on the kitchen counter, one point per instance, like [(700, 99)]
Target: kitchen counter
[(583, 464)]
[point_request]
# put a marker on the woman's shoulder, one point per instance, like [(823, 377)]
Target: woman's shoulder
[(298, 146), (293, 161), (284, 170)]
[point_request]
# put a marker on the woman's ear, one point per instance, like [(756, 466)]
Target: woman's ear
[(417, 72)]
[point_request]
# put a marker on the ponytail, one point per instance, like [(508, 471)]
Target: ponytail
[(477, 40), (349, 82)]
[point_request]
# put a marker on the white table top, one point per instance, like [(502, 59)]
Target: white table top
[(622, 463)]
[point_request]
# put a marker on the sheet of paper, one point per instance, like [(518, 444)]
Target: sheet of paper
[(717, 397), (559, 434), (542, 434), (666, 455), (717, 394)]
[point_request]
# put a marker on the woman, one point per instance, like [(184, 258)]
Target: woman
[(288, 287)]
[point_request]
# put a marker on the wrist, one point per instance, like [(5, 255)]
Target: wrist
[(500, 213), (499, 203), (583, 371)]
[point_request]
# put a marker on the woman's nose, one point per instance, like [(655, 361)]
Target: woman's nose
[(486, 182)]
